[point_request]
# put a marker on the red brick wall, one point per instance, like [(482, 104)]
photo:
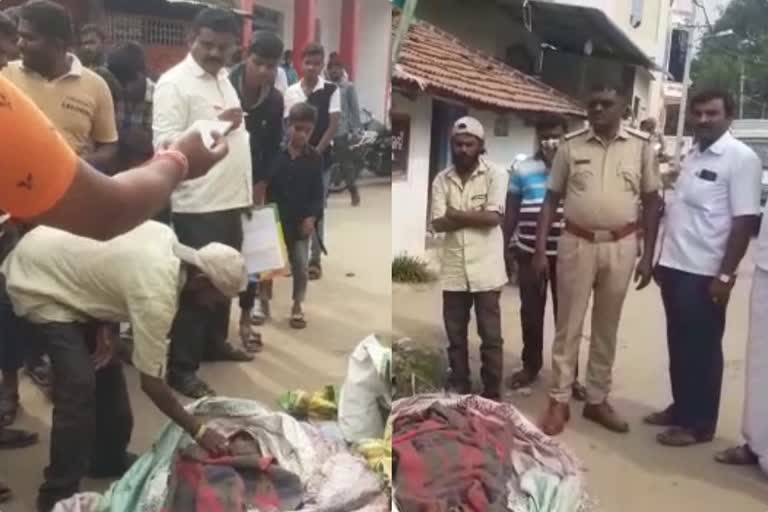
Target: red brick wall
[(161, 58)]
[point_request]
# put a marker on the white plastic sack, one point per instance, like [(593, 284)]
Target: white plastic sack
[(365, 390)]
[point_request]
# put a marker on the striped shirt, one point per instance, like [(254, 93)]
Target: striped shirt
[(528, 179)]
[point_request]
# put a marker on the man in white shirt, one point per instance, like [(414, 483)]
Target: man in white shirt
[(76, 290), (707, 230), (326, 98), (755, 420), (208, 209)]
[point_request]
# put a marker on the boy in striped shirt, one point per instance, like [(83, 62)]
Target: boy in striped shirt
[(527, 188)]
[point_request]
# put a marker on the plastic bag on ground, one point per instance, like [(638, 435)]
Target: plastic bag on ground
[(366, 397)]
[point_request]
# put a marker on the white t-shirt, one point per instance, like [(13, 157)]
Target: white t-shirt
[(714, 186), (295, 94), (183, 95), (281, 80)]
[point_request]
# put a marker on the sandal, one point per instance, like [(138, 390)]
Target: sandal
[(5, 493), (226, 352), (40, 375), (522, 379), (9, 409), (250, 338), (297, 321), (315, 272), (11, 439), (191, 386), (679, 437), (737, 456)]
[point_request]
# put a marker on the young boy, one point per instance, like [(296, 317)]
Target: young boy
[(325, 97), (254, 81), (296, 187)]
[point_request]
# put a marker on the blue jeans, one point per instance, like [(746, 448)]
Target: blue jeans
[(695, 327)]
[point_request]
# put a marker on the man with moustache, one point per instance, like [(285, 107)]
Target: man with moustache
[(74, 98), (209, 209), (468, 202), (707, 230), (600, 174)]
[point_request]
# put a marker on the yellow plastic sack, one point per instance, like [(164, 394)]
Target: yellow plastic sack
[(317, 406), (378, 454)]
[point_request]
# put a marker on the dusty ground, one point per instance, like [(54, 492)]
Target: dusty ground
[(629, 473), (352, 301)]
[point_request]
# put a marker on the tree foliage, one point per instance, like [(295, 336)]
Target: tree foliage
[(719, 59)]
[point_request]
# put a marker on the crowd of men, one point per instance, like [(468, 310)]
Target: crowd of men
[(64, 297), (584, 213)]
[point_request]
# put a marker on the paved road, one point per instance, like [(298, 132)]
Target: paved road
[(629, 473), (352, 301)]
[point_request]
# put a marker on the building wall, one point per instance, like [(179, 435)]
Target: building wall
[(373, 56), (410, 194), (483, 26), (503, 150)]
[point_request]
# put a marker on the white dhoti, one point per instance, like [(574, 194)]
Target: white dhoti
[(755, 423)]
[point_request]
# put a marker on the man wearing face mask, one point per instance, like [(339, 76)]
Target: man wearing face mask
[(468, 202), (600, 174), (707, 229), (527, 187), (209, 209)]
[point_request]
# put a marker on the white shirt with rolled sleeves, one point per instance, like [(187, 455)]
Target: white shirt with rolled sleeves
[(295, 94), (183, 95), (472, 259), (56, 277), (715, 185)]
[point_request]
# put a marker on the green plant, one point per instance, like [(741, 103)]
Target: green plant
[(410, 269)]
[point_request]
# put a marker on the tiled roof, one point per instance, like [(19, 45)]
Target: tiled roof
[(437, 62)]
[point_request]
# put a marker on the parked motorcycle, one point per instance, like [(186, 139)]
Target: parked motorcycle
[(371, 151)]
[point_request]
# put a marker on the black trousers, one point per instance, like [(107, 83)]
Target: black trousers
[(92, 420), (197, 329), (695, 327), (457, 307), (533, 306), (20, 343)]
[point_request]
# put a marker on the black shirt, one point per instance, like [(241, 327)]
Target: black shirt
[(264, 123), (321, 100), (296, 186)]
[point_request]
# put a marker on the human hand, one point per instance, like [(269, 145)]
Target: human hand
[(540, 266), (214, 442), (105, 346), (643, 273), (720, 291), (308, 226), (201, 159), (259, 193), (234, 116)]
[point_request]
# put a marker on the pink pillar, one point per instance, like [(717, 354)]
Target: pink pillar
[(304, 16), (247, 6), (350, 35)]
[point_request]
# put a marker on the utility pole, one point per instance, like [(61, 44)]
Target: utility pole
[(742, 79), (683, 113)]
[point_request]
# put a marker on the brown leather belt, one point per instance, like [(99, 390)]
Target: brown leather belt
[(600, 236)]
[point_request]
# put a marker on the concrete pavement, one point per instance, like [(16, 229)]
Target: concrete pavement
[(630, 473), (352, 301)]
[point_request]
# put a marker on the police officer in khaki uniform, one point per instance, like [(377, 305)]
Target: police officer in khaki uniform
[(602, 174)]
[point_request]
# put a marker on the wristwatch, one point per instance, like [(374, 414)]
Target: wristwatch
[(725, 278)]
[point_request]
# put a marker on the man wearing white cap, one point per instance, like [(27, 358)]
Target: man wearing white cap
[(468, 202), (76, 291)]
